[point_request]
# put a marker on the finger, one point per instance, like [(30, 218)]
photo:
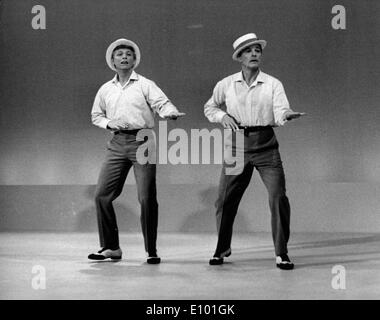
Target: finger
[(234, 125)]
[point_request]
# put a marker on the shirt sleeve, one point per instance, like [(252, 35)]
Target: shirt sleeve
[(280, 104), (212, 108), (157, 100), (98, 112)]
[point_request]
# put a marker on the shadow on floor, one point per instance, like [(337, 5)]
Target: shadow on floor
[(293, 245), (337, 242), (134, 271)]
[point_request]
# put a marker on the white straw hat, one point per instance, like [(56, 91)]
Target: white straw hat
[(246, 41), (117, 43)]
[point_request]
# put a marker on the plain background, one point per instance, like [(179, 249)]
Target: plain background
[(51, 153)]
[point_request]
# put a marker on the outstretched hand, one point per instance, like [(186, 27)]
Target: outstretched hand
[(294, 115), (174, 115)]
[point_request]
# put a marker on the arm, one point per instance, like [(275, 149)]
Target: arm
[(98, 112), (99, 117), (212, 108), (159, 102), (281, 108)]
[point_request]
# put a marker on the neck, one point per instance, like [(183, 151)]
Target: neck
[(250, 74), (123, 75)]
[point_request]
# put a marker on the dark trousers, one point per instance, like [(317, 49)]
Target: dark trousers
[(260, 152), (120, 157)]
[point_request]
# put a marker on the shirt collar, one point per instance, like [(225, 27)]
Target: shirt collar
[(134, 76), (260, 77)]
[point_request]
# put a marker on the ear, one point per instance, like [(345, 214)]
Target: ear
[(112, 61)]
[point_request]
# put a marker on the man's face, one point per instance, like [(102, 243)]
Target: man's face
[(250, 57), (123, 59)]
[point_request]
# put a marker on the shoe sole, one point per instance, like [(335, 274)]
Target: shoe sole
[(101, 258), (116, 258), (285, 266), (216, 262)]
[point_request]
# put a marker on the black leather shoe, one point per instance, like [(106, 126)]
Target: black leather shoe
[(153, 259), (215, 260), (283, 262), (105, 253)]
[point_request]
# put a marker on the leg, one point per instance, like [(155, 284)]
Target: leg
[(110, 184), (231, 190), (147, 195), (269, 165)]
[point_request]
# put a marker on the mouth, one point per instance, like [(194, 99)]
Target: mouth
[(124, 62)]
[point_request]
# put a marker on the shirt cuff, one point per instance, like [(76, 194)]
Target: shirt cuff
[(104, 123), (167, 109), (219, 116)]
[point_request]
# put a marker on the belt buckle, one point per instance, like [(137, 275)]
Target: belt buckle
[(246, 131)]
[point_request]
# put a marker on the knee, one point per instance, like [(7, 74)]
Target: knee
[(278, 194), (147, 199), (101, 195)]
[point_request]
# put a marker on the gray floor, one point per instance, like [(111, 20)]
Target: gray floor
[(248, 274)]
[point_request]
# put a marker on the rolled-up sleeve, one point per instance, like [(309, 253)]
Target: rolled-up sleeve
[(280, 103), (98, 112), (157, 99), (212, 108)]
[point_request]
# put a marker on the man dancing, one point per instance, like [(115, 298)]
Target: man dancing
[(255, 102), (125, 105)]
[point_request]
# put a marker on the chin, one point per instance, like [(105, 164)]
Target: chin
[(125, 67)]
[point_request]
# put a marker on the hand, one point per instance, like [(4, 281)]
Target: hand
[(294, 115), (229, 123), (174, 115), (118, 124)]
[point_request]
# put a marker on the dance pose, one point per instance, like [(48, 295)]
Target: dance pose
[(255, 103), (125, 105)]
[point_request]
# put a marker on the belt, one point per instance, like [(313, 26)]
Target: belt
[(133, 132), (255, 128)]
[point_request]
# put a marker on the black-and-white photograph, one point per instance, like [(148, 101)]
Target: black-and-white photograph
[(189, 150)]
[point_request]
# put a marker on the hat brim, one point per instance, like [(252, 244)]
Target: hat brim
[(263, 43), (120, 42)]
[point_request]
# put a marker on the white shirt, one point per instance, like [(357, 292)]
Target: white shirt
[(263, 103), (135, 102)]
